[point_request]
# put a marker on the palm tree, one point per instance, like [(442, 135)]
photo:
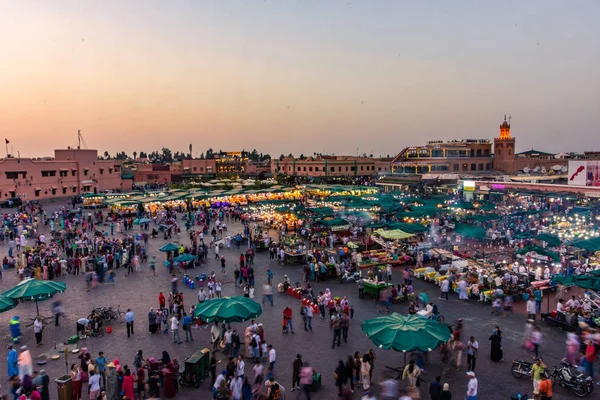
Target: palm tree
[(134, 155)]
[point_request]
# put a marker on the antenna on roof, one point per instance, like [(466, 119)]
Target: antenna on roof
[(80, 140), (509, 118)]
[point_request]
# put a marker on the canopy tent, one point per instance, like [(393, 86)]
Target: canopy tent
[(484, 217), (406, 333), (539, 250), (395, 234), (591, 282), (169, 247), (36, 290), (6, 303), (587, 244), (552, 240), (228, 309), (185, 258), (332, 222), (408, 228), (471, 231)]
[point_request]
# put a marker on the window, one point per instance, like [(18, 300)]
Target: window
[(64, 173), (64, 190), (15, 174), (346, 169), (464, 167), (316, 169), (201, 169), (37, 193), (488, 166), (478, 152), (53, 191), (352, 169), (332, 169), (509, 152), (110, 170), (379, 170), (195, 169), (486, 152), (73, 173), (455, 167), (85, 171), (473, 167), (499, 151), (304, 169), (437, 153), (340, 169), (74, 189), (310, 169), (361, 167), (481, 167), (101, 171)]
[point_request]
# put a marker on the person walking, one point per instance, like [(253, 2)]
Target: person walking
[(345, 324), (411, 374), (446, 394), (272, 358), (306, 379), (435, 388), (175, 329), (336, 325), (340, 376), (536, 339), (129, 318), (296, 369), (308, 316), (365, 372), (445, 288), (472, 386), (538, 370), (472, 348), (215, 333), (38, 327), (187, 326)]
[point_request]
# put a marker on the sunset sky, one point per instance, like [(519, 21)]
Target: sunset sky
[(298, 76)]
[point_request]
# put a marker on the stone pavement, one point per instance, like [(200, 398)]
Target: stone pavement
[(140, 291)]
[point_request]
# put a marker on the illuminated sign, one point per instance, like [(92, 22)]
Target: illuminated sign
[(234, 153), (497, 186), (469, 186)]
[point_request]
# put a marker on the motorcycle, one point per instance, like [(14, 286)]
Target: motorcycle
[(568, 376), (521, 368)]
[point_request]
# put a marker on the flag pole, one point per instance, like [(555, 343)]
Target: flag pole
[(6, 143)]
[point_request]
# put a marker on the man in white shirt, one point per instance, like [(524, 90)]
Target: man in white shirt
[(472, 348), (472, 386), (228, 339), (201, 295), (236, 387), (217, 384), (38, 326), (175, 329), (240, 367), (272, 356), (573, 303)]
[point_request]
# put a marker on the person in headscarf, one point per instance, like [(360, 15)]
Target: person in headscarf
[(111, 382), (166, 358), (152, 321), (41, 383), (25, 363), (13, 361)]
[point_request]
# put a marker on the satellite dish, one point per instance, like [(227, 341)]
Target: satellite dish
[(526, 170), (536, 169), (564, 168), (544, 170), (557, 167)]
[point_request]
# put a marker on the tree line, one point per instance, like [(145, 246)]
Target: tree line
[(166, 155)]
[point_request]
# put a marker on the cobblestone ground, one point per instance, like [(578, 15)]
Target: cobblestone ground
[(139, 292)]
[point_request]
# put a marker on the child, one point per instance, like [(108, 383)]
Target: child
[(351, 312), (284, 329), (251, 292)]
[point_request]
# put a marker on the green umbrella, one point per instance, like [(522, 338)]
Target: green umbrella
[(185, 258), (6, 303), (169, 247), (228, 309), (406, 333), (36, 290)]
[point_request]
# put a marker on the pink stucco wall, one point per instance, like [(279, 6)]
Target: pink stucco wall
[(70, 172)]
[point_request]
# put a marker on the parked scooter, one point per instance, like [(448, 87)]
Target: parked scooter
[(568, 376), (521, 368)]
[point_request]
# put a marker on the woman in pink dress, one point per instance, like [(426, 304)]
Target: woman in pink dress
[(128, 384)]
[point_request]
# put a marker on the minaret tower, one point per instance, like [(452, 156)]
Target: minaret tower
[(504, 149)]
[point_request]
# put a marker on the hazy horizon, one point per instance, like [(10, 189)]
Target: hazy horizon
[(297, 76)]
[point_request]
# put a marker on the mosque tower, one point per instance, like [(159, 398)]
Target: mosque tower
[(504, 149)]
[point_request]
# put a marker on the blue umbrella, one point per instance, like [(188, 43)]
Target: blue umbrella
[(142, 221)]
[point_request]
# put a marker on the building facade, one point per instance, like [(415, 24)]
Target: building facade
[(458, 156), (506, 160), (325, 167), (151, 174), (199, 167), (231, 163), (70, 172)]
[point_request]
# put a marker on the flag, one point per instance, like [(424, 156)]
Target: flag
[(6, 140)]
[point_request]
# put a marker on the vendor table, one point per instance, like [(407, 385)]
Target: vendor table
[(373, 289), (294, 258)]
